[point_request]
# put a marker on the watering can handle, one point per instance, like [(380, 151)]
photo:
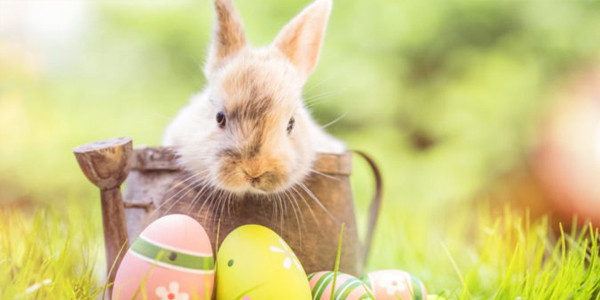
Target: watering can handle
[(374, 207)]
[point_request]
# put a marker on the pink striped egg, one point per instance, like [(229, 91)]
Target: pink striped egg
[(347, 287), (172, 259), (394, 285)]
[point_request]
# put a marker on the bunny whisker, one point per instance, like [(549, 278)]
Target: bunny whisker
[(324, 175), (296, 206), (218, 201), (307, 205), (207, 199), (334, 121), (230, 198), (184, 190), (280, 214), (187, 179), (198, 196), (226, 205), (284, 209), (320, 83), (311, 195), (181, 195), (282, 201), (275, 208), (320, 98), (292, 202), (211, 201), (278, 198)]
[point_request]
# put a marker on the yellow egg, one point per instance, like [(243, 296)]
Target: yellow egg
[(254, 263)]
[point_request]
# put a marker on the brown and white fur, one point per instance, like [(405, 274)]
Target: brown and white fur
[(249, 131)]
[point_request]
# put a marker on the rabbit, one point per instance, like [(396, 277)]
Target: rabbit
[(247, 144), (249, 131)]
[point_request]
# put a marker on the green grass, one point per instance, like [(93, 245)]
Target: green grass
[(49, 255), (57, 254)]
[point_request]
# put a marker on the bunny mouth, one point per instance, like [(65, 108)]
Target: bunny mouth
[(252, 190), (259, 187), (255, 187), (241, 180), (244, 186)]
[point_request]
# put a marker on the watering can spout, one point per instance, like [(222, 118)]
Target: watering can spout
[(106, 165)]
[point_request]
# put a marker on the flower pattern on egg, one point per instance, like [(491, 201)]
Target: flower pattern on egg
[(172, 293), (290, 257), (393, 285)]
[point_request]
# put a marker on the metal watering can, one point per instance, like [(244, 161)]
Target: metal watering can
[(308, 218)]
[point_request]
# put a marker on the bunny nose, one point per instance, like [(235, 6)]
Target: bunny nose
[(253, 174)]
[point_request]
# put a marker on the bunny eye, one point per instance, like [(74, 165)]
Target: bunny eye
[(290, 125), (221, 119)]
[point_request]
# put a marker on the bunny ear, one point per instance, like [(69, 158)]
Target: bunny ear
[(229, 36), (301, 39)]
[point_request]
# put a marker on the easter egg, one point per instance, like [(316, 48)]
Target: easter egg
[(347, 287), (394, 285), (254, 263), (171, 260)]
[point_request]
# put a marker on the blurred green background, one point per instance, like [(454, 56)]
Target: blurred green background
[(446, 95)]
